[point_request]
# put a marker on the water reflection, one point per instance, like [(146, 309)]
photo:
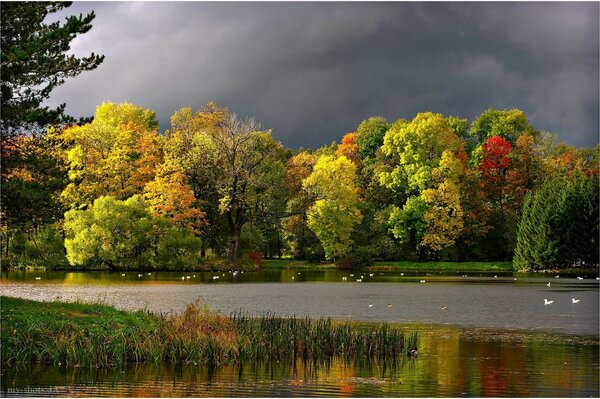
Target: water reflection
[(450, 363)]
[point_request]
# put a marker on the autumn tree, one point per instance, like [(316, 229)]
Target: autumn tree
[(234, 154), (508, 124), (335, 211), (348, 148), (116, 154), (427, 160), (301, 239), (188, 144), (35, 61), (169, 196)]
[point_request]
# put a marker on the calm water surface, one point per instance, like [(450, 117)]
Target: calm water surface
[(496, 337)]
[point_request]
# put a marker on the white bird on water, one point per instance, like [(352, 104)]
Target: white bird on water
[(444, 307), (556, 276), (548, 284), (38, 278), (183, 278), (547, 302), (370, 305), (422, 281), (573, 300), (579, 278), (122, 274), (390, 305)]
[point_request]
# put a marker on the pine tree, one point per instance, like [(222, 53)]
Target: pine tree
[(34, 62)]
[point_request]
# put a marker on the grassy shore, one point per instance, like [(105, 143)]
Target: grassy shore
[(444, 266), (96, 335), (273, 264)]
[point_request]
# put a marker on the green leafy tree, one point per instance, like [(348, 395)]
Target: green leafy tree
[(508, 124), (335, 212), (426, 161), (110, 231), (33, 175), (369, 136), (35, 61), (235, 157), (124, 233)]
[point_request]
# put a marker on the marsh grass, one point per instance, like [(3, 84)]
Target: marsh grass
[(95, 335)]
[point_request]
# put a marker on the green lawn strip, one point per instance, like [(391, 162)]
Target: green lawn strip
[(444, 266), (274, 264)]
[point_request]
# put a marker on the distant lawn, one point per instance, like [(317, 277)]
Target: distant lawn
[(295, 264), (446, 266), (270, 264)]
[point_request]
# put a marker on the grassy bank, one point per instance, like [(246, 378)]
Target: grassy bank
[(273, 264), (95, 335), (444, 266)]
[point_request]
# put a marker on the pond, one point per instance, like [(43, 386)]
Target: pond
[(482, 334)]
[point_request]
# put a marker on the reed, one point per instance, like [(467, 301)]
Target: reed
[(96, 335)]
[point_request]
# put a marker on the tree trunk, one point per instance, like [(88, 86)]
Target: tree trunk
[(235, 228), (233, 245), (7, 243)]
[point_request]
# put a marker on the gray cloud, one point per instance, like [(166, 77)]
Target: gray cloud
[(313, 71)]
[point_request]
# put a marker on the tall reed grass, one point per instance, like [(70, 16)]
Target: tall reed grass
[(101, 336)]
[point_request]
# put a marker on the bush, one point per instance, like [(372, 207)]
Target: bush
[(315, 253), (255, 257), (178, 250), (357, 259)]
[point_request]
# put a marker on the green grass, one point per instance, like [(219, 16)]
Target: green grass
[(271, 264), (95, 335), (444, 266)]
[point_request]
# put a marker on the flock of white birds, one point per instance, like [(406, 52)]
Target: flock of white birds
[(358, 280)]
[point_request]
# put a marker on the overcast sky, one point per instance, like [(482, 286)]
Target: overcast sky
[(313, 71)]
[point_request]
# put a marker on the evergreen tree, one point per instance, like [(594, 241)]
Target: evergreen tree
[(559, 225), (34, 62)]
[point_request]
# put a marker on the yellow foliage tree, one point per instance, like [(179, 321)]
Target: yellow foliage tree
[(114, 155), (335, 211), (170, 196)]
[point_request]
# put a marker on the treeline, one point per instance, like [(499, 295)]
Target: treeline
[(117, 192)]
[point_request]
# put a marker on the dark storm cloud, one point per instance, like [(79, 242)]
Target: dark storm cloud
[(313, 71)]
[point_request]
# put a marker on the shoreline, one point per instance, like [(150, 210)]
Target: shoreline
[(99, 335), (292, 264)]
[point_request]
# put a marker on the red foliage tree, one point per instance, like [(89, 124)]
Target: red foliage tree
[(495, 160)]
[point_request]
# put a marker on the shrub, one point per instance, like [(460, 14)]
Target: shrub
[(358, 258), (178, 250)]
